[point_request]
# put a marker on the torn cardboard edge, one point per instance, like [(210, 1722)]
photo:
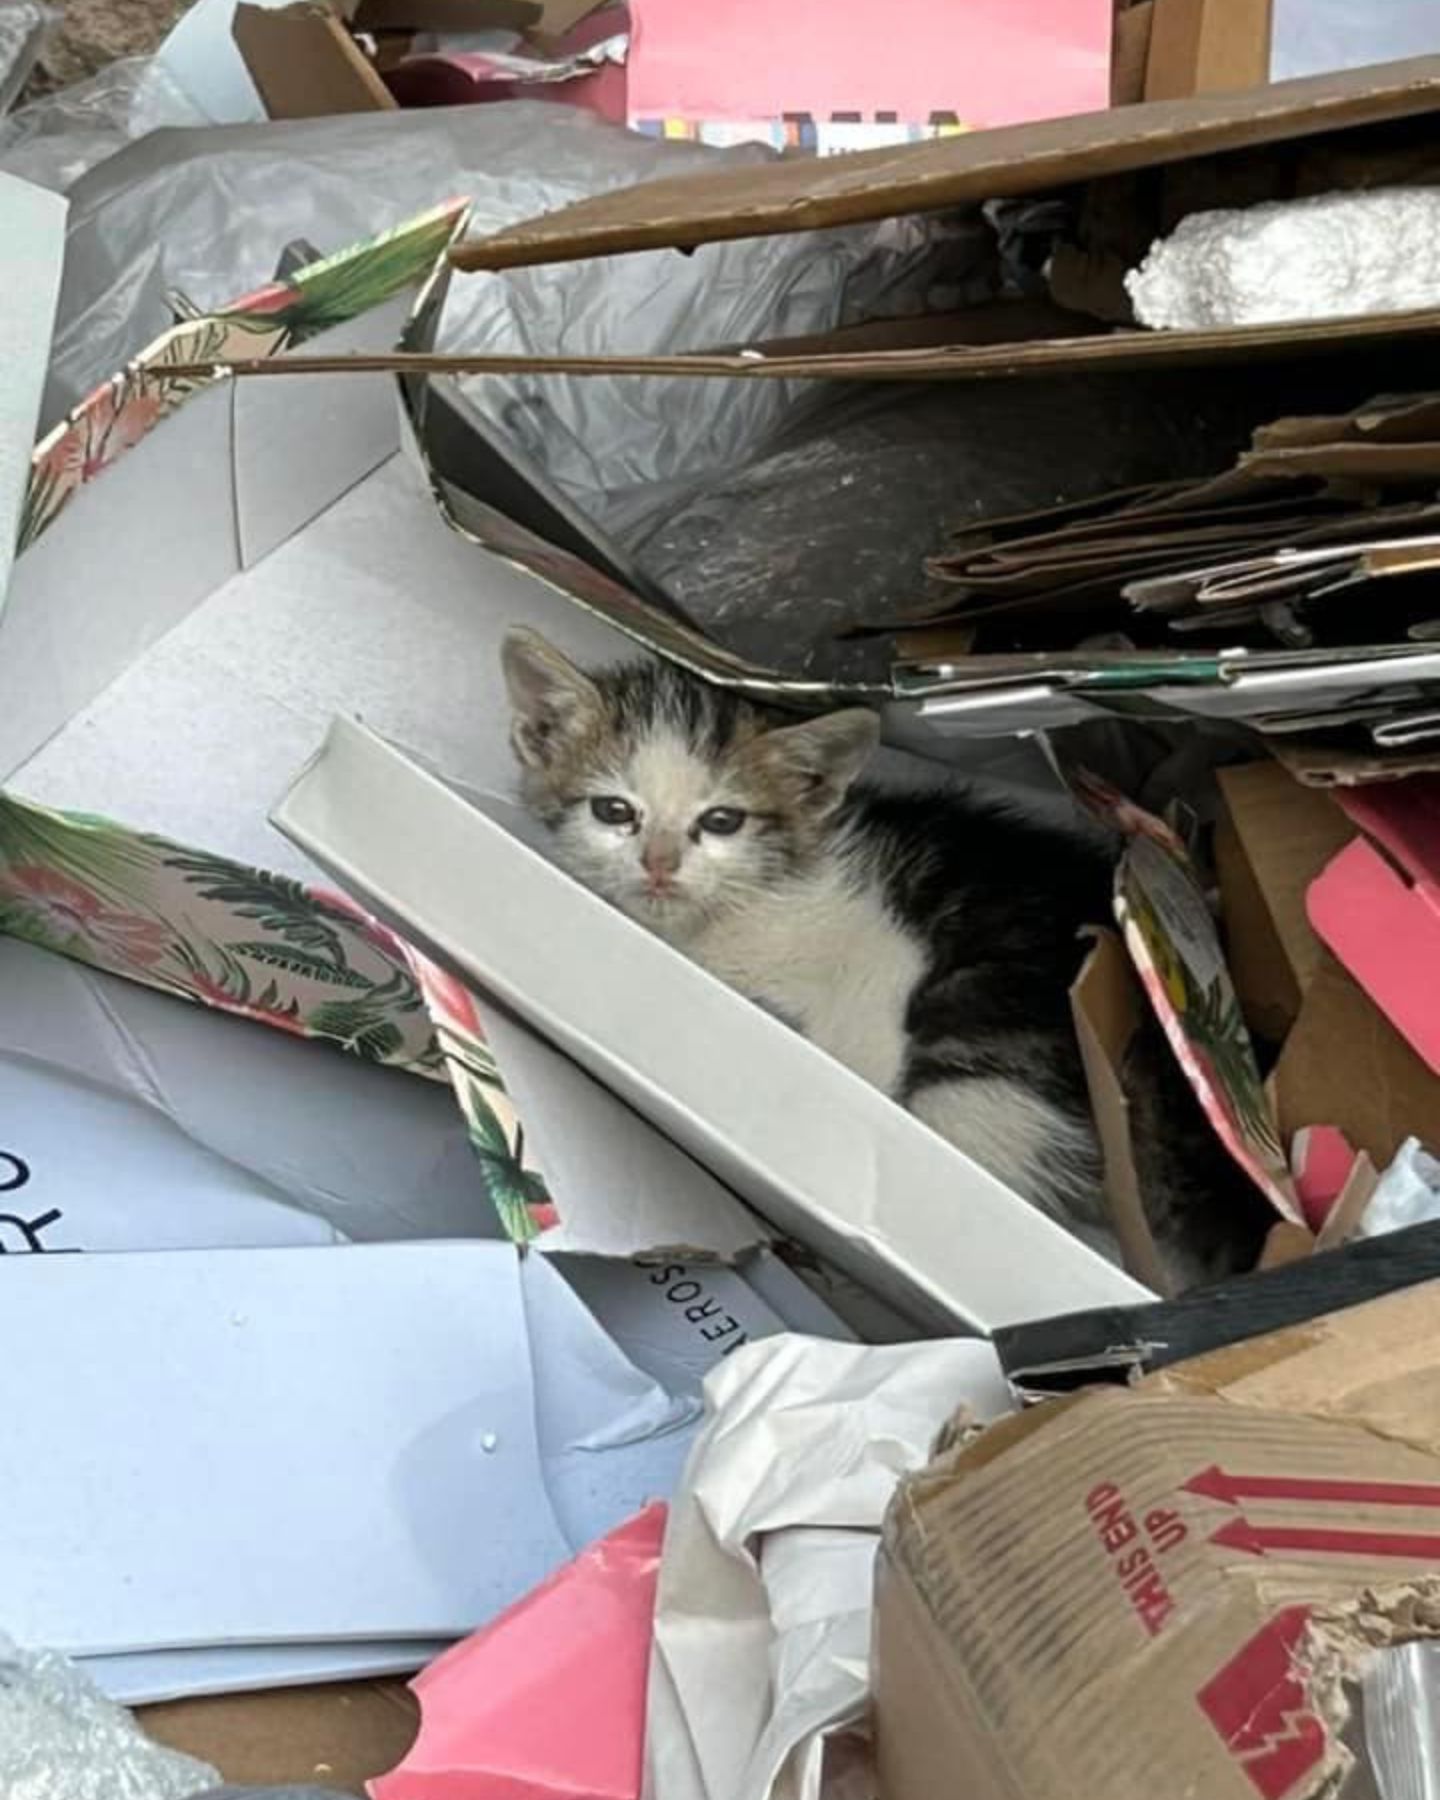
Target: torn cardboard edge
[(804, 194)]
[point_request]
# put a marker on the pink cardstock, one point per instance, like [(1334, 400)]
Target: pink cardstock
[(1377, 905), (548, 1701), (980, 63)]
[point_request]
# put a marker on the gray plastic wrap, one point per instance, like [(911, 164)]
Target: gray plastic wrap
[(1401, 1699), (23, 26), (831, 521), (208, 211), (55, 140), (61, 1739)]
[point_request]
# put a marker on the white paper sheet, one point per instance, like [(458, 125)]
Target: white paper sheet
[(83, 1169), (762, 1623), (358, 1442), (245, 1446)]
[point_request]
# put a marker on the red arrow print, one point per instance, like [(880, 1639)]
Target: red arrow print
[(1259, 1540), (1215, 1483)]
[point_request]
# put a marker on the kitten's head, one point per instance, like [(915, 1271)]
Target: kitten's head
[(671, 798)]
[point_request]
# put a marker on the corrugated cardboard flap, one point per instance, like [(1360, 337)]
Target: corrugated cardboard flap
[(1186, 1576), (805, 194)]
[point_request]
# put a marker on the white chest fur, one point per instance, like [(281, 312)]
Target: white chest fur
[(830, 960)]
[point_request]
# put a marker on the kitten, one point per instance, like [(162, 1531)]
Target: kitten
[(925, 940)]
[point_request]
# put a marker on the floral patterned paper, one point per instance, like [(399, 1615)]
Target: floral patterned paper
[(130, 405), (264, 947), (1171, 937)]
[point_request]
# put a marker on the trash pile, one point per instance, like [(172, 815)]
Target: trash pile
[(463, 1347)]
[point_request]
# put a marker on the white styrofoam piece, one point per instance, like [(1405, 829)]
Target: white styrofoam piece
[(32, 233), (814, 1148), (150, 1676), (372, 1153), (1319, 256), (247, 1446)]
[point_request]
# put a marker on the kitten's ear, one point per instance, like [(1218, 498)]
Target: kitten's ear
[(552, 699), (826, 754)]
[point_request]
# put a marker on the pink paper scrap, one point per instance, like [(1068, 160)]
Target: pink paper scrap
[(548, 1701)]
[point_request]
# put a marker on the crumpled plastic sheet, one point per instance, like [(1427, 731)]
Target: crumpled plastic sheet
[(831, 520), (55, 140), (208, 211), (62, 1739), (1401, 1699), (23, 25), (1323, 257), (1408, 1193), (760, 1673)]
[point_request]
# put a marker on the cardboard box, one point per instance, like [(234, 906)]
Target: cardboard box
[(1375, 905), (1207, 46), (311, 60), (1272, 838), (1180, 1585), (807, 195), (824, 1156)]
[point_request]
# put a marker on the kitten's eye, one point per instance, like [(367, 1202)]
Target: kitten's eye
[(722, 821), (610, 810)]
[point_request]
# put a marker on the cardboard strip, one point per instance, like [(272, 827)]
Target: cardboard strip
[(955, 362), (805, 194)]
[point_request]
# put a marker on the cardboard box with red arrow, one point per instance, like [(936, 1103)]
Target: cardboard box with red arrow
[(1181, 1587)]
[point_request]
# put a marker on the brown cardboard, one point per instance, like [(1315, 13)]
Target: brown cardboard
[(1273, 838), (1129, 51), (1084, 347), (1323, 766), (1207, 47), (808, 193), (1344, 1064), (305, 63), (1099, 1600), (1108, 1009), (340, 1736)]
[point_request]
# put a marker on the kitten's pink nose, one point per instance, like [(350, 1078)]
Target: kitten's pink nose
[(660, 859)]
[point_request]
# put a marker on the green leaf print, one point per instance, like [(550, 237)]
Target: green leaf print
[(277, 903), (303, 963), (351, 283), (510, 1194), (358, 1026)]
